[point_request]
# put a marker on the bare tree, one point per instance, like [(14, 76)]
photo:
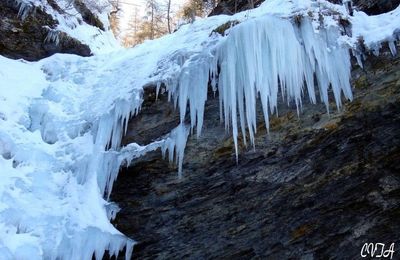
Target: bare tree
[(195, 8), (251, 3), (114, 18), (149, 27), (168, 16), (235, 11), (153, 10)]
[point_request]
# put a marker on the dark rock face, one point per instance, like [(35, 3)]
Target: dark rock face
[(26, 38), (371, 7), (87, 15), (233, 6), (316, 186)]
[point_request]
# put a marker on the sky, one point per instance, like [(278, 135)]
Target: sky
[(130, 6)]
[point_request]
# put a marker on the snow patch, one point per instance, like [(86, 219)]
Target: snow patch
[(372, 31)]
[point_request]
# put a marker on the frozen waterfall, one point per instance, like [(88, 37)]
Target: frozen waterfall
[(61, 130)]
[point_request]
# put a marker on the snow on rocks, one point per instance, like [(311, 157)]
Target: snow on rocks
[(71, 22), (372, 31)]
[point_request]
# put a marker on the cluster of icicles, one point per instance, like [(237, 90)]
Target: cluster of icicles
[(259, 60)]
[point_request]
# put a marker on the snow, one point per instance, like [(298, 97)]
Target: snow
[(61, 129), (51, 206), (71, 22), (374, 30)]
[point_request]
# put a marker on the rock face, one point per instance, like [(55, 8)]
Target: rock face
[(233, 6), (371, 7), (27, 38), (317, 186), (87, 15)]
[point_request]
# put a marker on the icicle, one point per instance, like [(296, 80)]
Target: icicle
[(392, 47), (52, 36), (158, 89), (109, 132), (25, 7), (263, 54), (112, 210), (175, 145)]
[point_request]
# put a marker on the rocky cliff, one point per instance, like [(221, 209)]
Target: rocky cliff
[(25, 31), (317, 186)]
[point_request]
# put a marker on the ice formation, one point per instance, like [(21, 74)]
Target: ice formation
[(269, 55), (61, 130), (52, 206), (374, 30)]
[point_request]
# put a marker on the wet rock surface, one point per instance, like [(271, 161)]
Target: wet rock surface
[(26, 37), (317, 186)]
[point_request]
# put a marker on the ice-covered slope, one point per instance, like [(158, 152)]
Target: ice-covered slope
[(60, 130)]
